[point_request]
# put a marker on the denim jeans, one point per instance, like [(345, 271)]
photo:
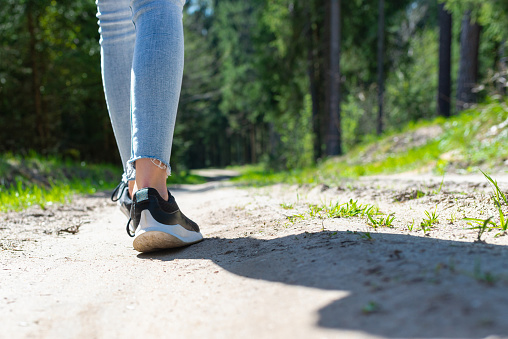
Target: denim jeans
[(142, 66)]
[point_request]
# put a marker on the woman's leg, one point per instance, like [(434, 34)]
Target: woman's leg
[(156, 80), (117, 50)]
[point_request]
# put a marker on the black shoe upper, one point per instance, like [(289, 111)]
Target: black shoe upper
[(164, 212)]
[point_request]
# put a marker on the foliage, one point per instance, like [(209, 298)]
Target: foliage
[(255, 81), (475, 137), (408, 97), (492, 14), (52, 48)]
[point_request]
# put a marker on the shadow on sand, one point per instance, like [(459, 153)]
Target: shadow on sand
[(399, 285)]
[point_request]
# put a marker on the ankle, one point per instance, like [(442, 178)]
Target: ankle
[(150, 175), (161, 189), (131, 187)]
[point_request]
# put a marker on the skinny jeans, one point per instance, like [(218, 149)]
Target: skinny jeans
[(142, 66)]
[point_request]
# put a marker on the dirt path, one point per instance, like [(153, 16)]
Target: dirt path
[(267, 269)]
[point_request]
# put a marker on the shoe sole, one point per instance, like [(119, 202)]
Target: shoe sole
[(159, 236)]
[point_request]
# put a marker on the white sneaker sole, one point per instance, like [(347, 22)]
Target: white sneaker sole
[(152, 236)]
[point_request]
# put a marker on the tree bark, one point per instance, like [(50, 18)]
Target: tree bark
[(502, 68), (445, 47), (274, 141), (253, 153), (468, 66), (311, 72), (333, 140), (380, 64)]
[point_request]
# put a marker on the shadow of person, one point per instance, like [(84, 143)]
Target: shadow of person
[(399, 285)]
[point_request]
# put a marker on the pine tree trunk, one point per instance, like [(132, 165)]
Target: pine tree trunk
[(445, 47), (380, 64), (502, 68), (333, 139), (468, 67), (274, 140), (311, 71), (253, 153)]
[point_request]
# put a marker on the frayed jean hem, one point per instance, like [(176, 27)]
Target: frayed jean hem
[(130, 172), (124, 178)]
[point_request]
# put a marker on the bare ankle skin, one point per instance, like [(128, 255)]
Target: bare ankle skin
[(131, 187), (149, 175)]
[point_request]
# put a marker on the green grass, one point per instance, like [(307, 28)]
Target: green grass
[(342, 210), (431, 219), (473, 139), (381, 221), (349, 209), (500, 200), (37, 180)]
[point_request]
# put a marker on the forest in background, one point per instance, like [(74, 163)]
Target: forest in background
[(281, 82)]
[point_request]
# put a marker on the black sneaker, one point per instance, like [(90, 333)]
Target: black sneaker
[(123, 198), (158, 224)]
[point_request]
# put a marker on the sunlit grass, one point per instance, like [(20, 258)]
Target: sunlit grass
[(22, 195), (33, 179), (36, 180), (476, 138)]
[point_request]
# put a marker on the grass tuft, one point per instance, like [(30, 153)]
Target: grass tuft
[(500, 200)]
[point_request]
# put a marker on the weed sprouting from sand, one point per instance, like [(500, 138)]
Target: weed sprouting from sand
[(500, 200), (371, 307), (481, 229), (411, 226), (362, 235), (287, 206), (440, 187), (452, 218), (295, 217), (315, 211), (382, 221), (483, 276), (429, 221), (351, 209)]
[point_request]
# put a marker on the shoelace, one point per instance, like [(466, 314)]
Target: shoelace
[(128, 229), (120, 187)]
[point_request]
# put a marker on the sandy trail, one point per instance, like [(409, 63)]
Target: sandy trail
[(258, 273)]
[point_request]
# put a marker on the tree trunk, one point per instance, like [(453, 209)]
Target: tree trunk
[(380, 64), (36, 83), (311, 71), (333, 140), (502, 68), (274, 140), (253, 153), (246, 148), (445, 47), (468, 66)]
